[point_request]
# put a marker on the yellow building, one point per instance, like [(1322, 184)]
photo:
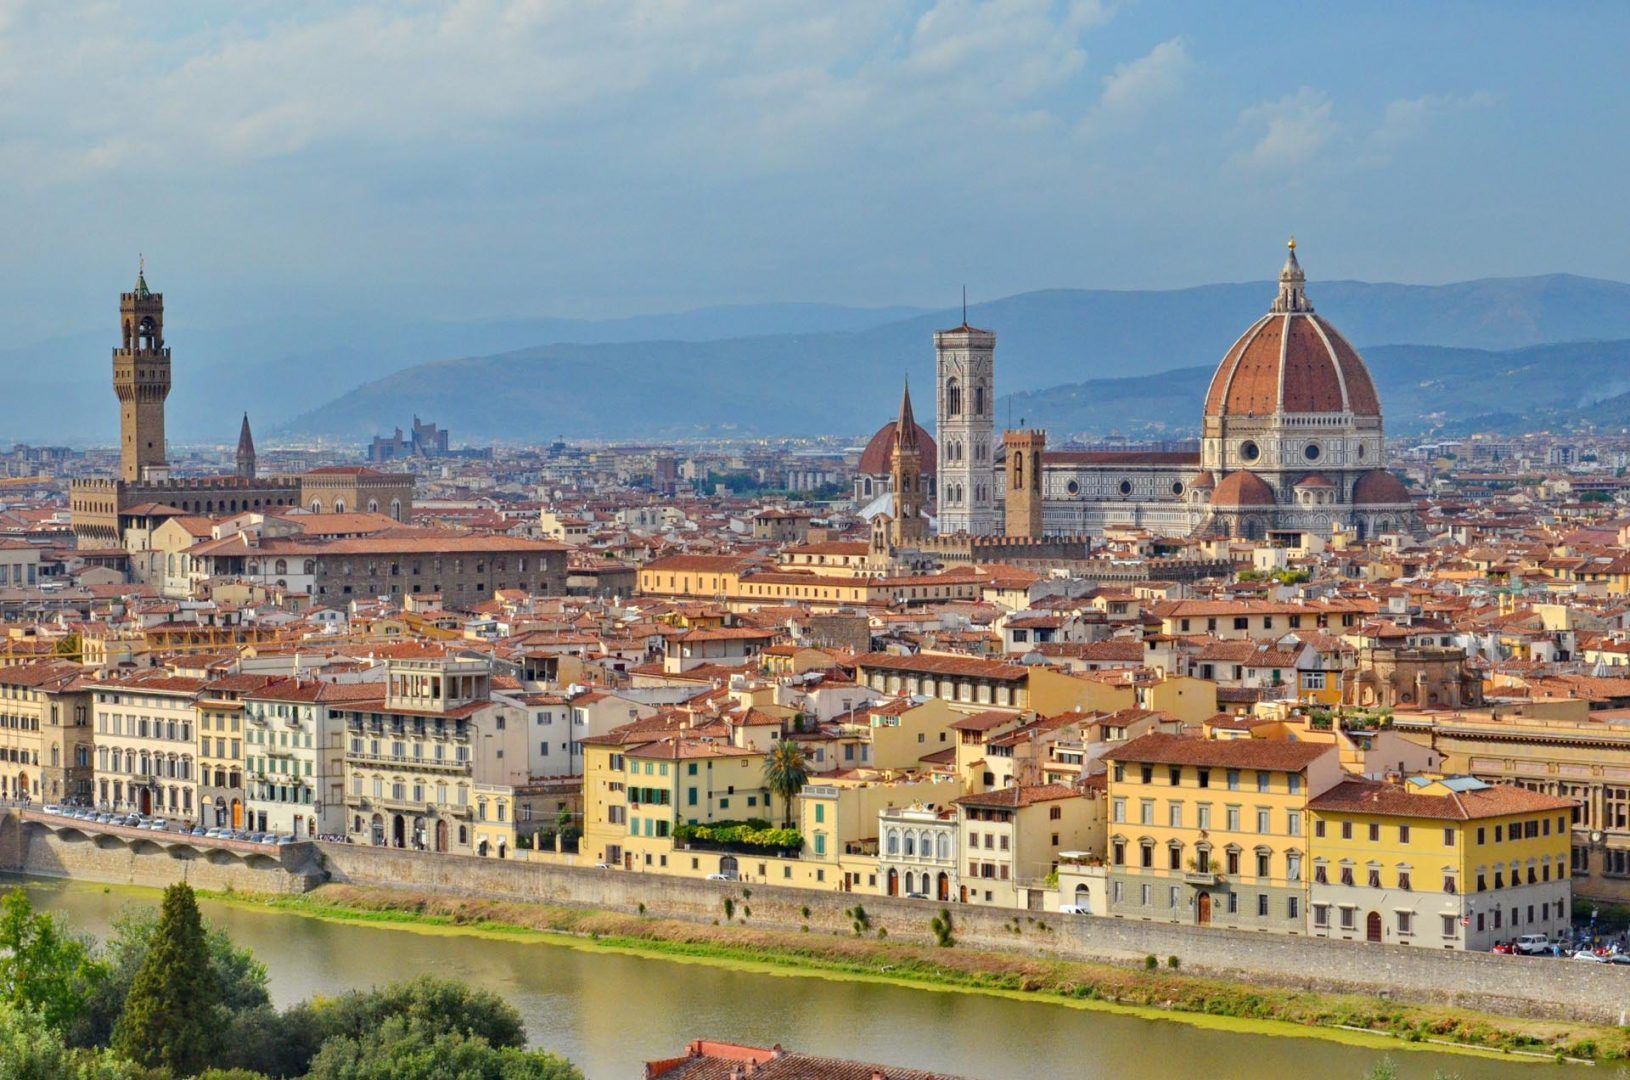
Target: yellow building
[(1011, 839), (1213, 831), (45, 733), (1440, 863)]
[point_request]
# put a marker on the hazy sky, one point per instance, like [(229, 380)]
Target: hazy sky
[(489, 159)]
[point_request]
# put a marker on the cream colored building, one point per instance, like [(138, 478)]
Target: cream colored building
[(45, 733), (145, 750)]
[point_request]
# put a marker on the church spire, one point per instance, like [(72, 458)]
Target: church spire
[(1292, 285), (142, 290), (905, 428), (246, 450)]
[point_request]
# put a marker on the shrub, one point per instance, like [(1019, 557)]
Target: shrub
[(941, 926), (1172, 962), (1150, 963)]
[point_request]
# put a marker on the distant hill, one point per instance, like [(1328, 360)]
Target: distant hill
[(1424, 389), (60, 391), (847, 380)]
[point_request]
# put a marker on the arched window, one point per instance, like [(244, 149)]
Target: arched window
[(396, 509), (339, 506), (892, 844), (316, 506), (911, 844), (310, 566), (953, 397), (373, 506), (1018, 470), (979, 401), (281, 566)]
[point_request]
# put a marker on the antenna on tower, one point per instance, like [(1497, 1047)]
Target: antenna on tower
[(964, 305)]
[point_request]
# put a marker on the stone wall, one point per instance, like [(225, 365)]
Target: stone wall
[(30, 848), (1500, 984)]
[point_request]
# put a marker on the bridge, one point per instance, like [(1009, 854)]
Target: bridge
[(55, 845)]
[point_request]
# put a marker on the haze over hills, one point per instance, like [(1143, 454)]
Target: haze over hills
[(1423, 388), (824, 381), (59, 390)]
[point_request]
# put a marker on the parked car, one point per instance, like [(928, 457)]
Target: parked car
[(721, 877), (1532, 945), (916, 896), (1589, 957), (1073, 909), (52, 808)]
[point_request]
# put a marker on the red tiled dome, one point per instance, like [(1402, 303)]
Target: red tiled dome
[(1314, 481), (1293, 362), (1242, 489), (1204, 482), (874, 460), (1380, 488)]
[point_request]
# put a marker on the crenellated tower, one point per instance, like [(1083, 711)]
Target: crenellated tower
[(141, 380)]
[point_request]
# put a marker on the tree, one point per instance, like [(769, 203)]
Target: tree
[(434, 1006), (171, 1018), (786, 771), (30, 1049), (240, 979), (406, 1049), (43, 967)]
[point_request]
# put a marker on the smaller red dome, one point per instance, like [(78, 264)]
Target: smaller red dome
[(1204, 482), (1380, 488), (1243, 489), (1313, 481), (875, 459)]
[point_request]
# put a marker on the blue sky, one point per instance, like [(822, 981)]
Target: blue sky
[(490, 159)]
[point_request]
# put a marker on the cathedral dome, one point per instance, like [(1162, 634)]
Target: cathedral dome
[(1291, 361), (874, 460), (1242, 489), (1380, 488)]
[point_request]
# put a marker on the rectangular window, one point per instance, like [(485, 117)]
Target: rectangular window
[(1348, 918), (1262, 861), (1403, 834), (1262, 821), (1321, 916), (1174, 815), (1293, 907), (1262, 905), (1119, 814), (1233, 819), (1375, 834), (1233, 779), (1262, 780), (1449, 926), (1203, 817), (1347, 830), (1406, 922)]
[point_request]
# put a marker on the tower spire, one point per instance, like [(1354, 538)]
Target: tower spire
[(246, 450), (905, 428), (1292, 285), (141, 276)]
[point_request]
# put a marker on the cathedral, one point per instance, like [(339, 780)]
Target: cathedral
[(1291, 444)]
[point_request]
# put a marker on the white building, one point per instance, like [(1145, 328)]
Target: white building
[(145, 752)]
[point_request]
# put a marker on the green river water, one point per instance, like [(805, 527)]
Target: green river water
[(611, 1013)]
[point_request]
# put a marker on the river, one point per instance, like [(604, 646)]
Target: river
[(611, 1013)]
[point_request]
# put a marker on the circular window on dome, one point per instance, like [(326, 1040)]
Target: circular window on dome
[(1312, 451), (1177, 487), (1249, 451), (1073, 488), (1126, 487)]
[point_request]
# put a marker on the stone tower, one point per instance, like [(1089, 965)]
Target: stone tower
[(141, 379), (246, 451), (906, 475), (965, 401), (1023, 497)]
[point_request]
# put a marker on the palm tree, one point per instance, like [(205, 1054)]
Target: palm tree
[(786, 771)]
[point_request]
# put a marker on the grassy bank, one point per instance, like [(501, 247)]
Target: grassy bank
[(1159, 992)]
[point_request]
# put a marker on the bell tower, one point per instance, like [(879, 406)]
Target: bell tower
[(965, 428), (1023, 501), (141, 380), (905, 474)]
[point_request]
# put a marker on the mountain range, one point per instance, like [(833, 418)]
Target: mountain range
[(1080, 361), (1077, 361)]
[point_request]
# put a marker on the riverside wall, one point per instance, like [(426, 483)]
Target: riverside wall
[(1508, 985), (129, 857), (1517, 986)]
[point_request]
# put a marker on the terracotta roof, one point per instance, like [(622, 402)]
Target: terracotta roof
[(1397, 800), (1243, 488), (1291, 362), (1278, 755), (937, 664), (1380, 488), (876, 458), (1019, 796)]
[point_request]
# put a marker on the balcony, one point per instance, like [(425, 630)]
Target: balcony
[(1207, 878)]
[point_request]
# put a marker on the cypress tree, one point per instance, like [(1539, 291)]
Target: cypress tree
[(170, 1018)]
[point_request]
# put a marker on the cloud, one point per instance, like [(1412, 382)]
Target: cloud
[(1156, 76), (1286, 134), (1405, 119)]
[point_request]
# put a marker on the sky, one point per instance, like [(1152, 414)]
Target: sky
[(488, 159)]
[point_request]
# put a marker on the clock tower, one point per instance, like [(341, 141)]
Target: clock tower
[(141, 380)]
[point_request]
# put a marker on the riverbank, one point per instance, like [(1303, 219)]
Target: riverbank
[(1162, 992)]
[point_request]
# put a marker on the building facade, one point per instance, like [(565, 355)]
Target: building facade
[(45, 733), (145, 751)]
